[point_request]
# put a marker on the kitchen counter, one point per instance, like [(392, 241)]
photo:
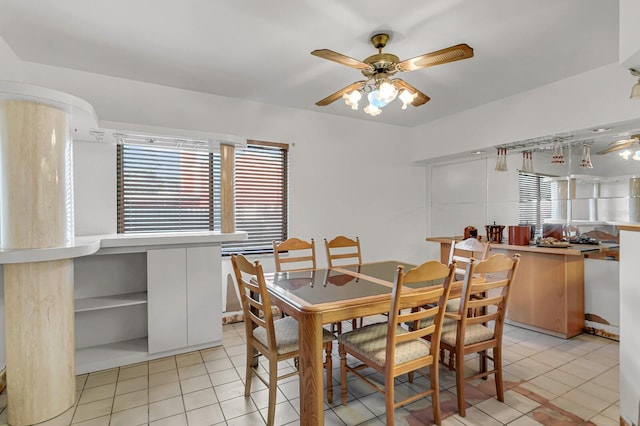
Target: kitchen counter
[(572, 250), (548, 292)]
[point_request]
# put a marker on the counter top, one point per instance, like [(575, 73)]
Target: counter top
[(572, 250), (633, 228), (90, 244)]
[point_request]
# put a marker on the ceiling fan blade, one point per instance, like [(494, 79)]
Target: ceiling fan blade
[(337, 95), (618, 145), (450, 54), (340, 58), (420, 99)]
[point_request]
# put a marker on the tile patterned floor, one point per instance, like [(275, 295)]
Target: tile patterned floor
[(548, 381)]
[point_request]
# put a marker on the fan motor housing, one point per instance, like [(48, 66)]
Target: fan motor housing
[(381, 62)]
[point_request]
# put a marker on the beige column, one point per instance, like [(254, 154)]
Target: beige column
[(36, 211), (227, 153)]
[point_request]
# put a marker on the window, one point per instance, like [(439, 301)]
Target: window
[(260, 196), (165, 190), (535, 200)]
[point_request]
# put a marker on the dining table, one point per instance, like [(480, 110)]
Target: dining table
[(324, 296)]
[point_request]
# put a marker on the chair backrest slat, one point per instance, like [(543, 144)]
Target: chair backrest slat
[(301, 252), (484, 302), (463, 251), (341, 248)]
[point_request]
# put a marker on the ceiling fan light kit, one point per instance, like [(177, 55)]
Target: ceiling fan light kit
[(379, 87), (626, 148)]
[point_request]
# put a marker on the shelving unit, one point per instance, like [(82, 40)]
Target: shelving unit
[(144, 297)]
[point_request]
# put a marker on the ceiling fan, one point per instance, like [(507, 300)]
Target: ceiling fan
[(378, 69), (621, 144)]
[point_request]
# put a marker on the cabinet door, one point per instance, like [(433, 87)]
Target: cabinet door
[(204, 295), (167, 299)]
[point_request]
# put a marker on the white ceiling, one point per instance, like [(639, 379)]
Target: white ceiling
[(260, 50)]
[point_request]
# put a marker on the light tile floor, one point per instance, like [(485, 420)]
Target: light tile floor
[(549, 381)]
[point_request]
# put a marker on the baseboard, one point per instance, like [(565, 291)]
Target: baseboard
[(234, 317)]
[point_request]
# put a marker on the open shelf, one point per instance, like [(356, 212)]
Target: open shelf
[(96, 358), (107, 302), (126, 352)]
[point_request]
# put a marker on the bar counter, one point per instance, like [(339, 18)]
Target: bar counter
[(547, 295)]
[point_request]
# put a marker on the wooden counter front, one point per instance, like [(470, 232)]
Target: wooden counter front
[(548, 292)]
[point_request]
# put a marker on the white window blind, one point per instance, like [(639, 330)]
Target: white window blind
[(535, 199), (166, 190), (261, 197)]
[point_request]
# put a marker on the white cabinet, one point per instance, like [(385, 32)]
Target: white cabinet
[(167, 295), (184, 296), (204, 297)]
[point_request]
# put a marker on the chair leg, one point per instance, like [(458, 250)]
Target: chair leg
[(329, 367), (389, 402), (482, 358), (497, 364), (336, 327), (435, 396), (273, 386), (343, 373), (460, 383), (452, 360), (248, 373)]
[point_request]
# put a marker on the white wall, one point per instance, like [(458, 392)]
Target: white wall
[(629, 40), (591, 99), (471, 192), (629, 320)]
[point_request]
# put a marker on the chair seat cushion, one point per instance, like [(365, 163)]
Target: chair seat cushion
[(453, 305), (371, 341), (474, 333), (286, 331)]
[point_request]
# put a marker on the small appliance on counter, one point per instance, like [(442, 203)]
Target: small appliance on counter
[(519, 235), (494, 233), (470, 232)]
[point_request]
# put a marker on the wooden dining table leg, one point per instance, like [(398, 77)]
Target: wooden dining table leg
[(311, 370)]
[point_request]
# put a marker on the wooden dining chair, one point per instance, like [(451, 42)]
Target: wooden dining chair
[(391, 349), (276, 340), (480, 321), (463, 251), (301, 255), (343, 251)]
